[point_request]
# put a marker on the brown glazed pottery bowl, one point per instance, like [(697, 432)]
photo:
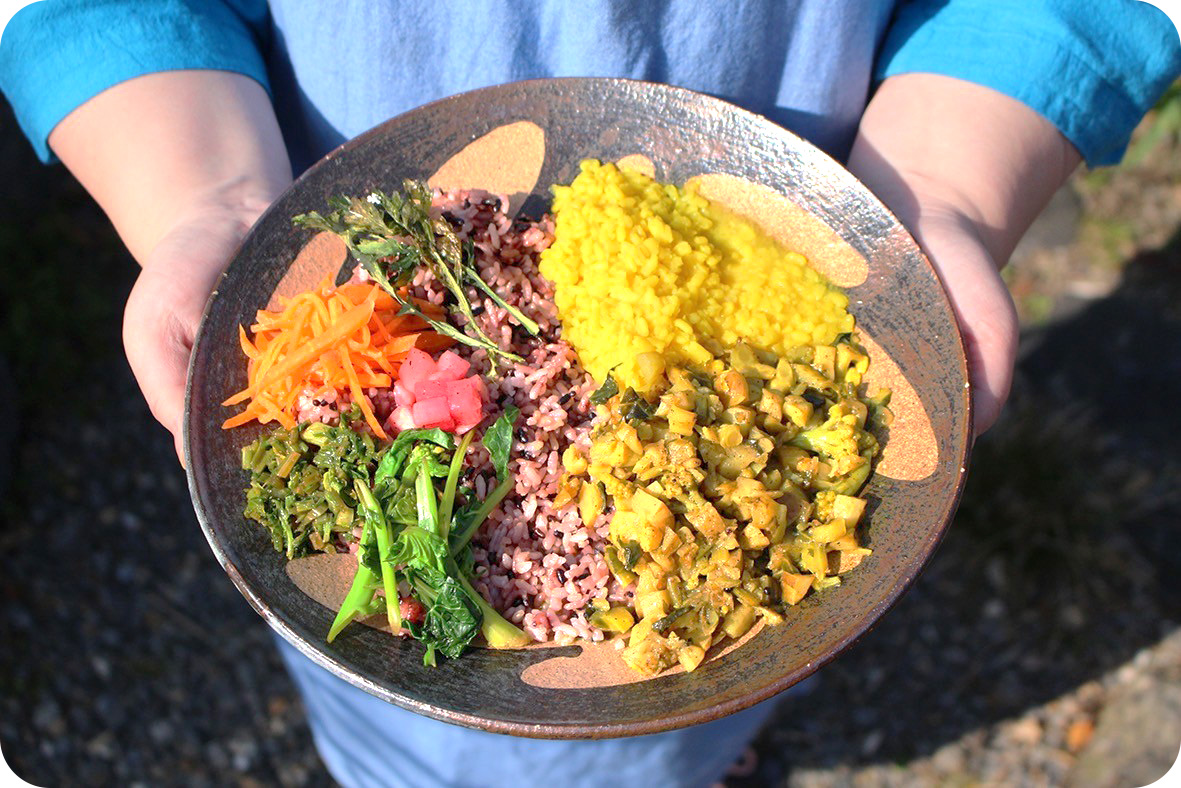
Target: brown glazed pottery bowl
[(518, 139)]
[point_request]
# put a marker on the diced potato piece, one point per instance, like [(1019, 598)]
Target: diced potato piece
[(771, 404), (848, 508), (665, 561), (617, 619), (732, 387), (690, 657), (649, 655), (785, 376), (844, 561), (623, 527), (573, 461), (681, 421), (751, 538), (651, 508), (824, 359), (590, 504), (680, 379), (639, 632), (852, 363), (770, 616), (729, 436), (649, 369), (794, 587), (670, 542), (798, 409), (764, 512), (738, 621), (568, 488), (737, 459), (652, 605), (651, 577), (833, 529), (630, 438), (846, 542)]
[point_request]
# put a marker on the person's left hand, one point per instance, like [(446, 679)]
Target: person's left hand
[(966, 170)]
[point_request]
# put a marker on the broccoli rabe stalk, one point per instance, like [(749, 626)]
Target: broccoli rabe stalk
[(496, 629), (360, 599), (389, 579)]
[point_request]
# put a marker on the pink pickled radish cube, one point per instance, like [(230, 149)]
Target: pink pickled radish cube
[(403, 397), (402, 418), (417, 366), (451, 367), (480, 387), (433, 412), (464, 403), (430, 388)]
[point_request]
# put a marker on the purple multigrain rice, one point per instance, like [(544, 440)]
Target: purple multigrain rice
[(537, 566)]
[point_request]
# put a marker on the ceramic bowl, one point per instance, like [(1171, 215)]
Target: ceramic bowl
[(519, 139)]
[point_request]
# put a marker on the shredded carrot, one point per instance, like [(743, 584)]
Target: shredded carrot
[(346, 338)]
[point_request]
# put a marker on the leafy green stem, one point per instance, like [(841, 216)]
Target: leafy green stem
[(447, 505), (389, 578)]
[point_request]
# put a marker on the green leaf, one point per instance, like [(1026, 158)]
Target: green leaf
[(452, 620), (634, 408), (498, 440), (394, 459), (606, 391), (401, 506), (419, 549)]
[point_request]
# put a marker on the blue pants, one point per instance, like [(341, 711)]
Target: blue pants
[(365, 741)]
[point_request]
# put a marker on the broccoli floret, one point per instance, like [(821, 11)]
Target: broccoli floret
[(823, 503), (836, 438)]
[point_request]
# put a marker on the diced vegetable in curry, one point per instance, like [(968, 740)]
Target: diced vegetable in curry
[(734, 490)]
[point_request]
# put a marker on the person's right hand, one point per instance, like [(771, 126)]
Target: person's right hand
[(166, 304), (182, 162)]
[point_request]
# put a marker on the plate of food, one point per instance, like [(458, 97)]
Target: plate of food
[(576, 408)]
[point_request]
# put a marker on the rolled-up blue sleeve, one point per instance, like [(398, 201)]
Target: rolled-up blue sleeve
[(57, 54), (1093, 68)]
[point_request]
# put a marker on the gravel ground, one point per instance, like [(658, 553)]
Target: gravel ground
[(1041, 647)]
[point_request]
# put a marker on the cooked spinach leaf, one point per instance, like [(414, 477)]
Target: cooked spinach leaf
[(606, 391), (498, 440)]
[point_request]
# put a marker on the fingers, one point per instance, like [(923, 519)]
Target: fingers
[(982, 306), (165, 307), (158, 342)]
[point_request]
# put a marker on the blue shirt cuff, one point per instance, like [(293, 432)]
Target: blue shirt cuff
[(1093, 68), (57, 54)]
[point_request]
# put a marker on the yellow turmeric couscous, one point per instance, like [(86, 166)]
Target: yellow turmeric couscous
[(643, 267)]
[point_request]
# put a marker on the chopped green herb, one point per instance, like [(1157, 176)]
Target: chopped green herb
[(393, 235), (606, 391)]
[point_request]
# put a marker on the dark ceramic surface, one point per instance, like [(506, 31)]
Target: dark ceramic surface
[(900, 304)]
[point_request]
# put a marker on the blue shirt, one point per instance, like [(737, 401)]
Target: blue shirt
[(1092, 67)]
